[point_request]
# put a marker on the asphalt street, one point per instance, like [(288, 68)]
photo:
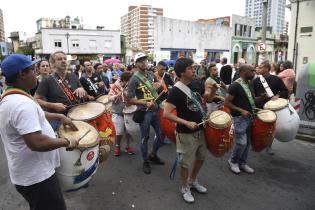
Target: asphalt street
[(283, 181)]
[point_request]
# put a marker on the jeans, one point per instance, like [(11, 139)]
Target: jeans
[(55, 124), (150, 118), (243, 127)]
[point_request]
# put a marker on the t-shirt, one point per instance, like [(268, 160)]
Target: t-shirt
[(136, 88), (185, 107), (52, 92), (90, 86), (20, 115), (240, 98), (276, 85)]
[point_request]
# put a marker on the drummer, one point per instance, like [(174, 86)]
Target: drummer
[(219, 97), (164, 78), (29, 141), (92, 82), (117, 96), (242, 104), (143, 85), (265, 83), (186, 97), (60, 89)]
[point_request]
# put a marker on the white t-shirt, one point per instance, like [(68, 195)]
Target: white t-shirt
[(20, 115)]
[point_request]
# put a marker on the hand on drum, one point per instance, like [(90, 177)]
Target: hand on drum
[(149, 104), (91, 98), (68, 123), (245, 113), (80, 92), (191, 125), (275, 97), (72, 143), (59, 107)]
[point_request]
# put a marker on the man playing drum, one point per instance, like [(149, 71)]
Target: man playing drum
[(117, 96), (60, 89), (241, 102), (143, 85), (268, 87), (29, 141), (186, 97)]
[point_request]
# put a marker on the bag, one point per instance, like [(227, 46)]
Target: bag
[(138, 116)]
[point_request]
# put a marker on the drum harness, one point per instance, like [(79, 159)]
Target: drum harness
[(193, 97)]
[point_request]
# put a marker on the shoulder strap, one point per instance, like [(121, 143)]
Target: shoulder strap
[(65, 88), (147, 84), (247, 91), (266, 86), (13, 90)]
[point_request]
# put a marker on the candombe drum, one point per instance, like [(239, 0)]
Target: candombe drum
[(167, 127), (263, 130), (78, 166), (131, 126), (104, 100), (95, 114), (219, 133), (288, 120)]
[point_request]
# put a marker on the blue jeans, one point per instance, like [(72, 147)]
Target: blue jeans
[(243, 128), (55, 124), (150, 118)]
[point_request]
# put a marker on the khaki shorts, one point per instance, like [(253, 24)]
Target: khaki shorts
[(191, 146)]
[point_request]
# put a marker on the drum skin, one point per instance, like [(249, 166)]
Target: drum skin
[(168, 127), (263, 134), (219, 141), (219, 133)]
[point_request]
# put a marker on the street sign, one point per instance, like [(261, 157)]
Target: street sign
[(261, 47)]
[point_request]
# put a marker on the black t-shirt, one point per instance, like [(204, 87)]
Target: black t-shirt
[(169, 83), (52, 92), (90, 86), (240, 98), (276, 85), (226, 74), (185, 107)]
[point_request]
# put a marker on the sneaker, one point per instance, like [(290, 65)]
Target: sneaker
[(187, 194), (247, 169), (166, 141), (146, 167), (234, 167), (155, 159), (269, 151), (117, 151), (198, 187), (130, 150)]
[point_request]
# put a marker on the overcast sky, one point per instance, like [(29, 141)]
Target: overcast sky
[(22, 15)]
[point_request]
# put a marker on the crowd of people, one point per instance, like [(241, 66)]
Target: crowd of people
[(193, 90)]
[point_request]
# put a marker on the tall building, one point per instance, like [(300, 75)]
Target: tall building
[(138, 27), (275, 13), (2, 35)]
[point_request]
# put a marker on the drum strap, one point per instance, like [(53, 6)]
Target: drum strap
[(13, 90), (94, 87), (247, 91), (266, 86), (192, 96), (65, 89)]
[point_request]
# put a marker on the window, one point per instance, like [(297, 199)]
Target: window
[(235, 30), (58, 43), (75, 43), (108, 44), (92, 43)]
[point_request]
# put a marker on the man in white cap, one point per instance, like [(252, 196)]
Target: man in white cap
[(142, 91), (29, 141)]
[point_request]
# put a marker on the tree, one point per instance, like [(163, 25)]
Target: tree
[(26, 50)]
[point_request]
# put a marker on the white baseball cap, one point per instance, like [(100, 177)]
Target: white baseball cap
[(140, 55)]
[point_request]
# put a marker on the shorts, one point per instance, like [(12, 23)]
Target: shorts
[(119, 123), (191, 146)]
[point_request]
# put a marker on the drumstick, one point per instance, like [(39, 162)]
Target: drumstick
[(159, 96), (84, 135), (208, 119)]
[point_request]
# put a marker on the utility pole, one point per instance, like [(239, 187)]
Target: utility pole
[(262, 55), (67, 36)]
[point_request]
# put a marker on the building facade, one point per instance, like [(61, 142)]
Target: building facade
[(2, 34), (275, 13), (180, 38), (301, 36), (81, 43), (138, 27), (243, 44)]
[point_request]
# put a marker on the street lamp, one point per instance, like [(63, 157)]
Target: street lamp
[(67, 36)]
